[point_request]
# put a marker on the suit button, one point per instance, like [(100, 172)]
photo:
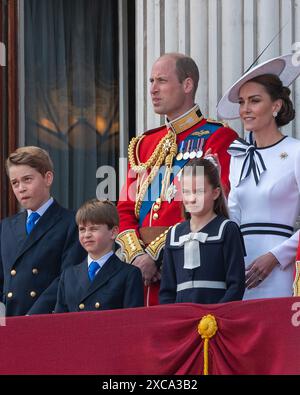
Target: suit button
[(33, 294), (81, 306), (13, 272), (97, 305), (10, 295), (34, 271), (155, 216)]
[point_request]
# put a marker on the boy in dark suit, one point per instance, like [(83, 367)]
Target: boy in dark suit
[(38, 243), (102, 281)]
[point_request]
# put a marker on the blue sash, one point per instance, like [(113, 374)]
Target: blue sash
[(154, 190)]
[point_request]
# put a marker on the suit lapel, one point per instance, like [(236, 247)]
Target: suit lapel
[(81, 273), (19, 230), (110, 268), (47, 221)]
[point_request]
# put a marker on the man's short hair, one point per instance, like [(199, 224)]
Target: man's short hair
[(98, 212), (185, 68), (32, 156)]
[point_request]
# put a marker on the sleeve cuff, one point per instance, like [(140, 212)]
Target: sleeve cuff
[(285, 256), (130, 245), (155, 247)]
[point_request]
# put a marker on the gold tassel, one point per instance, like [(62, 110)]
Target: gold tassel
[(207, 328)]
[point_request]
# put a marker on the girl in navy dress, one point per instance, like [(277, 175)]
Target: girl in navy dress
[(204, 256)]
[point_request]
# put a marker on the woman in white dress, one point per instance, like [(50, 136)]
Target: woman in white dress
[(265, 176)]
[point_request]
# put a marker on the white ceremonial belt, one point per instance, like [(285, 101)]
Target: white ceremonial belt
[(201, 284)]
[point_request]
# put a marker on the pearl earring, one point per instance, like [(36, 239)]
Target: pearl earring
[(275, 113)]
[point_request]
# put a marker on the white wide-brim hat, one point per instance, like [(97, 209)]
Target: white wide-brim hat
[(286, 67)]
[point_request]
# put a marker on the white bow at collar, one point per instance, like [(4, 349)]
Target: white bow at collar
[(191, 242)]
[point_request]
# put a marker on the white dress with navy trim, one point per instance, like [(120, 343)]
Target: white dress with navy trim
[(266, 208)]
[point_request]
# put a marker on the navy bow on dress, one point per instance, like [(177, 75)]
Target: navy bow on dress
[(253, 161)]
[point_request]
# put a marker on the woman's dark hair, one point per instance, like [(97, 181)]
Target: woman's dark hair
[(211, 172), (276, 90)]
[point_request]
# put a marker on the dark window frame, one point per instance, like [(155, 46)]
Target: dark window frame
[(9, 104)]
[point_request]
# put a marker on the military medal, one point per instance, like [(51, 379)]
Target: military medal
[(193, 152), (180, 153), (199, 152), (186, 155)]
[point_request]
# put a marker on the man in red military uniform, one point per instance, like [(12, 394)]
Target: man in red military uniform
[(148, 204)]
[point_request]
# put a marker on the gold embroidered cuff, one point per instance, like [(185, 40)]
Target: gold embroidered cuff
[(297, 280), (154, 248), (130, 245)]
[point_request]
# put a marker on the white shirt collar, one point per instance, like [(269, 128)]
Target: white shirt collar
[(101, 261), (43, 208)]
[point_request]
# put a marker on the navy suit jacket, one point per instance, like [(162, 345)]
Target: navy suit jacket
[(30, 266), (117, 285)]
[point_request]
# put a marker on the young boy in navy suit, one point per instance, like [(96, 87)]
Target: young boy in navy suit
[(102, 281), (38, 243)]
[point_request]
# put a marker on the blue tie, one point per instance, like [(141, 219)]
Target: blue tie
[(33, 217), (93, 267)]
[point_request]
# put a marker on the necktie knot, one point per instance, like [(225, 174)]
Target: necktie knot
[(93, 267), (31, 221)]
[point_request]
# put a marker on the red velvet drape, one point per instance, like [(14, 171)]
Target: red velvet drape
[(253, 337)]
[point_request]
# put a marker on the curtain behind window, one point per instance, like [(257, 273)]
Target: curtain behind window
[(71, 90)]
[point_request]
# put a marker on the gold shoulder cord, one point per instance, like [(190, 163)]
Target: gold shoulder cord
[(164, 152), (296, 284)]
